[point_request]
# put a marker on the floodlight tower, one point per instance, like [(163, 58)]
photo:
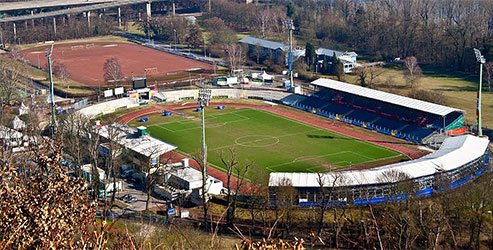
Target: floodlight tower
[(52, 89), (204, 97), (481, 60), (290, 26)]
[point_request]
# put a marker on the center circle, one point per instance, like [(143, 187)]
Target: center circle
[(256, 140)]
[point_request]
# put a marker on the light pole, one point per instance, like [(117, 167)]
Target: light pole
[(203, 101), (290, 26), (481, 60), (174, 30), (52, 91)]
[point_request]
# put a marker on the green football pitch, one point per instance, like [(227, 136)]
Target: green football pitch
[(274, 143)]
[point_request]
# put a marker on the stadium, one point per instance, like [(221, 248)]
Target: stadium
[(364, 134)]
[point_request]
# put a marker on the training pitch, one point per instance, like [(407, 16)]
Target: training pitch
[(273, 142), (84, 61)]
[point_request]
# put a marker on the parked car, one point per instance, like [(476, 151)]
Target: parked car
[(127, 173)]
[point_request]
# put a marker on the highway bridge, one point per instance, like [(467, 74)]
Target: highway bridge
[(27, 5), (93, 5)]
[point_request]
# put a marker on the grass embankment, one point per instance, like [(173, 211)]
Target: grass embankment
[(258, 136)]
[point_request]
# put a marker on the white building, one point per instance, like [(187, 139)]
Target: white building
[(187, 181), (348, 59), (145, 149), (106, 186)]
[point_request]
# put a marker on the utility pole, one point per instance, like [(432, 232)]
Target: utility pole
[(290, 27), (52, 89), (481, 60)]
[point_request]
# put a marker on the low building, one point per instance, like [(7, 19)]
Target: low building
[(348, 59), (106, 185), (265, 49), (145, 150), (181, 179)]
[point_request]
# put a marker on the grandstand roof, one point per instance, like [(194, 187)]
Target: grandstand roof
[(386, 97), (454, 153)]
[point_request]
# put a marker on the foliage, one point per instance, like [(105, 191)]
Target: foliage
[(310, 56), (41, 206), (290, 9), (195, 37)]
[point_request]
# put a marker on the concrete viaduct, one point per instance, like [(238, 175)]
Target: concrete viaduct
[(81, 6)]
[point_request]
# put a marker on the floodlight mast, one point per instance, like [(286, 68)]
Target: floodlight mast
[(481, 60), (290, 27), (203, 101), (52, 89)]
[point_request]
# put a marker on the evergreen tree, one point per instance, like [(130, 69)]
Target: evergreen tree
[(333, 65), (290, 9), (310, 55), (195, 38)]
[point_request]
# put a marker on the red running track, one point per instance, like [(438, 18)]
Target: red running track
[(337, 127)]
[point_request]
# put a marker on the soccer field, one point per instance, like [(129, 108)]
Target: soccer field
[(273, 142)]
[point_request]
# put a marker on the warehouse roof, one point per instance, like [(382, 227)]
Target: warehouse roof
[(264, 43)]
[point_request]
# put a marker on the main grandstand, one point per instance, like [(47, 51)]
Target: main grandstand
[(387, 113)]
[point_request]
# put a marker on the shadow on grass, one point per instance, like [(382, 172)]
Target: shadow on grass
[(355, 139)]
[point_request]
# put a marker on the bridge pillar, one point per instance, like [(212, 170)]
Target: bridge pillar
[(32, 20), (88, 19), (54, 25), (148, 9), (119, 17), (15, 33), (174, 9)]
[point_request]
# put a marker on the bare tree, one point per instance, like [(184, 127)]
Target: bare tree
[(199, 158), (93, 142), (112, 71), (413, 73), (327, 183), (235, 55), (286, 201), (73, 127), (489, 74), (232, 165), (10, 76), (154, 170), (113, 153), (263, 19), (61, 71)]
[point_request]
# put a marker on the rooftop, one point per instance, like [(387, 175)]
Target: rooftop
[(264, 43), (403, 101), (454, 153), (145, 145)]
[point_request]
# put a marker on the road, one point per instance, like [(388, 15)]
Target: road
[(136, 190)]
